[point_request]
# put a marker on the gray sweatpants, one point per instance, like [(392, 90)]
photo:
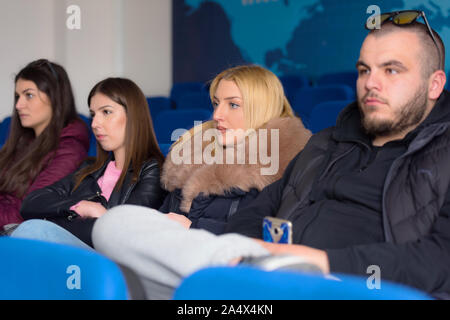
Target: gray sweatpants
[(160, 250)]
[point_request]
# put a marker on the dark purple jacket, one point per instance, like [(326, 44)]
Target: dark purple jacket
[(72, 149)]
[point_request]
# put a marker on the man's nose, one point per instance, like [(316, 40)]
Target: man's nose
[(373, 81)]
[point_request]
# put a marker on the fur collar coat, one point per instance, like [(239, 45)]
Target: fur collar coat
[(217, 179)]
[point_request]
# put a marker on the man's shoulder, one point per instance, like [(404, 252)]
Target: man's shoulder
[(321, 139)]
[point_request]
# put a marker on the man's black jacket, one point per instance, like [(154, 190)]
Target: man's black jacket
[(408, 237)]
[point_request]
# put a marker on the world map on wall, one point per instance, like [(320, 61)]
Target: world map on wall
[(311, 37)]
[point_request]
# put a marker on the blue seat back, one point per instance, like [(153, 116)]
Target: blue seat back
[(195, 100), (293, 83), (346, 78), (164, 147), (168, 123), (180, 89), (39, 270), (307, 98), (157, 104), (92, 141), (325, 114), (247, 283), (448, 81), (5, 126)]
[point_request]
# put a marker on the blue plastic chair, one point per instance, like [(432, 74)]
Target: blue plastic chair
[(92, 141), (346, 78), (307, 98), (195, 100), (325, 114), (448, 81), (5, 125), (248, 283), (157, 104), (180, 89), (292, 83), (39, 270), (168, 122), (164, 147)]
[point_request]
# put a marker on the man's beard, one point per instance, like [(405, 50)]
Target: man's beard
[(410, 114)]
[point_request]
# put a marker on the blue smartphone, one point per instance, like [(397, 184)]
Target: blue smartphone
[(277, 230)]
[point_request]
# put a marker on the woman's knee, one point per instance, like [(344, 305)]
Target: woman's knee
[(121, 222), (31, 227)]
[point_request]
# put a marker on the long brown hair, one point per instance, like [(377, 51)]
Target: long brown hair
[(23, 156), (140, 139)]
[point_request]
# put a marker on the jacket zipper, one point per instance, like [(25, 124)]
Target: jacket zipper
[(97, 194)]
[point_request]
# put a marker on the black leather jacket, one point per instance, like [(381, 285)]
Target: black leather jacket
[(53, 202)]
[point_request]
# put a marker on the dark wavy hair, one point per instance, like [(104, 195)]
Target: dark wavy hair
[(140, 139), (24, 155)]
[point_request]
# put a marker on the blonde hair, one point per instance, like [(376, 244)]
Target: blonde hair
[(262, 94)]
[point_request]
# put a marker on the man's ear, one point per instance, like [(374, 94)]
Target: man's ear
[(436, 84)]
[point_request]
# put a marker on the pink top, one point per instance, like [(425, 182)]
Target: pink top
[(106, 182), (109, 179)]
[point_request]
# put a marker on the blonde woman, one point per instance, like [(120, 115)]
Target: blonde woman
[(212, 172), (221, 166)]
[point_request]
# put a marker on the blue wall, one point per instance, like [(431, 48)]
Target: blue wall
[(311, 37)]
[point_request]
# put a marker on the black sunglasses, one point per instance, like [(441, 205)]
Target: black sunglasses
[(401, 18)]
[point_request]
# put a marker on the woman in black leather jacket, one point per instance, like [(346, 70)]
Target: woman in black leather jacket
[(125, 171)]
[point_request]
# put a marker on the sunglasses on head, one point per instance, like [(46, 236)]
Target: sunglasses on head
[(401, 18)]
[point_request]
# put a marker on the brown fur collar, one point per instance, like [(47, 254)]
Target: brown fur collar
[(216, 179)]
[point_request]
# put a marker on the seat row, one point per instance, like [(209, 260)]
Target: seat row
[(170, 124), (195, 95), (50, 271), (317, 106)]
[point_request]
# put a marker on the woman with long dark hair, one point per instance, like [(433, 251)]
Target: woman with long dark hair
[(125, 171), (47, 139)]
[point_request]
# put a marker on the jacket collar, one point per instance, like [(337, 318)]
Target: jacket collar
[(219, 179)]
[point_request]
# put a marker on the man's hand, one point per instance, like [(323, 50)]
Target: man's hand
[(89, 209), (315, 256), (181, 219)]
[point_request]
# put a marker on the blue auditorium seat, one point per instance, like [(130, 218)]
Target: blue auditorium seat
[(448, 81), (325, 114), (168, 121), (182, 88), (292, 83), (92, 141), (195, 100), (346, 77), (4, 130), (248, 283), (157, 104), (164, 147), (37, 270), (307, 98)]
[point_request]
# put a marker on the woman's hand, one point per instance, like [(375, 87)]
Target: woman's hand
[(181, 219), (89, 209)]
